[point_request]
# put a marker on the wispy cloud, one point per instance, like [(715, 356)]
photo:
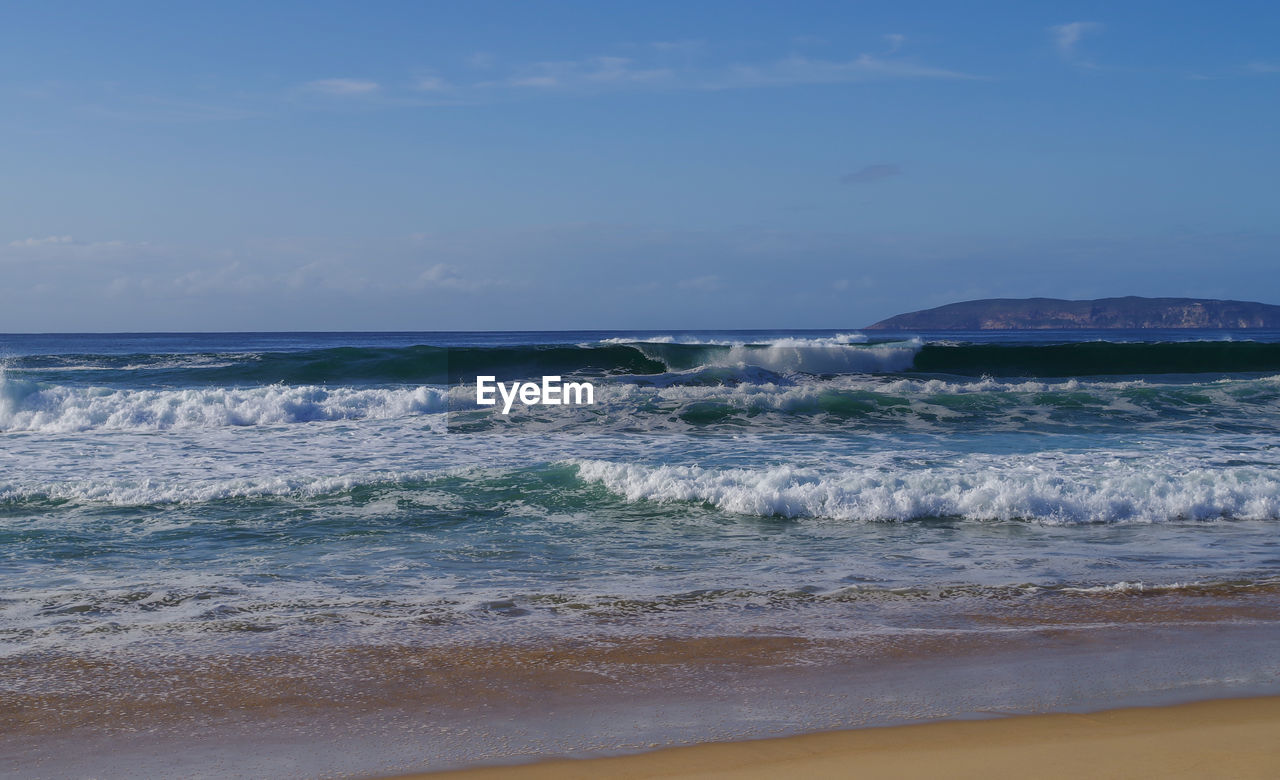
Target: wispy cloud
[(704, 284), (687, 46), (483, 78), (67, 247), (482, 60), (432, 84), (538, 82), (343, 87), (652, 67), (796, 71), (1067, 37), (114, 101), (1248, 70), (445, 276), (595, 72), (441, 276), (870, 173), (47, 241)]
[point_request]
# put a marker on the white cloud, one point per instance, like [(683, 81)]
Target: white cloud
[(709, 283), (481, 60), (66, 248), (1066, 36), (1259, 66), (591, 73), (540, 82), (343, 87), (47, 241), (679, 65), (437, 274), (444, 276), (621, 69), (662, 65), (432, 84), (682, 47), (609, 73), (802, 70)]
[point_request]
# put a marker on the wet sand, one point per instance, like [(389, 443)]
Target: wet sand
[(1228, 738), (296, 710)]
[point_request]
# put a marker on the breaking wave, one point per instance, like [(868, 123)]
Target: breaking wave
[(1051, 492), (844, 354), (27, 405)]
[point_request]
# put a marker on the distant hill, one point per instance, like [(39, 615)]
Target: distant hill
[(1131, 312)]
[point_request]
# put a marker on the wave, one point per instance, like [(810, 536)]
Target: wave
[(1047, 489), (839, 338), (704, 398), (738, 400), (1098, 358), (425, 364), (939, 399), (843, 354), (1048, 492), (336, 365), (787, 356), (27, 405), (155, 492)]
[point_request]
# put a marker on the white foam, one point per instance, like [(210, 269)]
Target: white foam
[(1048, 489), (843, 353), (30, 406), (912, 402), (839, 338), (830, 358), (1126, 587), (791, 356), (146, 491)]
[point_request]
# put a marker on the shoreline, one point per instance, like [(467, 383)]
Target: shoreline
[(389, 711), (1238, 738)]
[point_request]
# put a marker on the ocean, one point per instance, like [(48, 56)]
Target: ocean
[(797, 499)]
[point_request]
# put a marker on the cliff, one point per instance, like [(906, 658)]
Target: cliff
[(1044, 313)]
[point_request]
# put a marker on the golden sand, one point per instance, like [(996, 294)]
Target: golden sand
[(1228, 738)]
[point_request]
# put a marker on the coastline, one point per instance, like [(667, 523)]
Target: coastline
[(388, 711), (1237, 738), (800, 544)]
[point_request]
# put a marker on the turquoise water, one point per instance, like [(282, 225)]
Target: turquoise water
[(215, 489)]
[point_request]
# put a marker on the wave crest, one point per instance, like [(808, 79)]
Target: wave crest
[(1042, 492), (31, 406)]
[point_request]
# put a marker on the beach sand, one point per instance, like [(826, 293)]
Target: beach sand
[(1226, 738)]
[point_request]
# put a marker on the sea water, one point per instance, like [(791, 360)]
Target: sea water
[(218, 493)]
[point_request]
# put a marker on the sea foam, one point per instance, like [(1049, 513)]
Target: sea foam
[(1055, 490), (839, 355), (26, 405)]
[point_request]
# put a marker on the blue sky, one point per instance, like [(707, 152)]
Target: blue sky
[(484, 165)]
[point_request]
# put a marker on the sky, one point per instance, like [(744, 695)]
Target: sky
[(623, 165)]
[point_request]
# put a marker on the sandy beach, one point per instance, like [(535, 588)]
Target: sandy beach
[(1228, 738), (664, 707)]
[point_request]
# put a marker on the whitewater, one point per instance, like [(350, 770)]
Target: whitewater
[(202, 491)]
